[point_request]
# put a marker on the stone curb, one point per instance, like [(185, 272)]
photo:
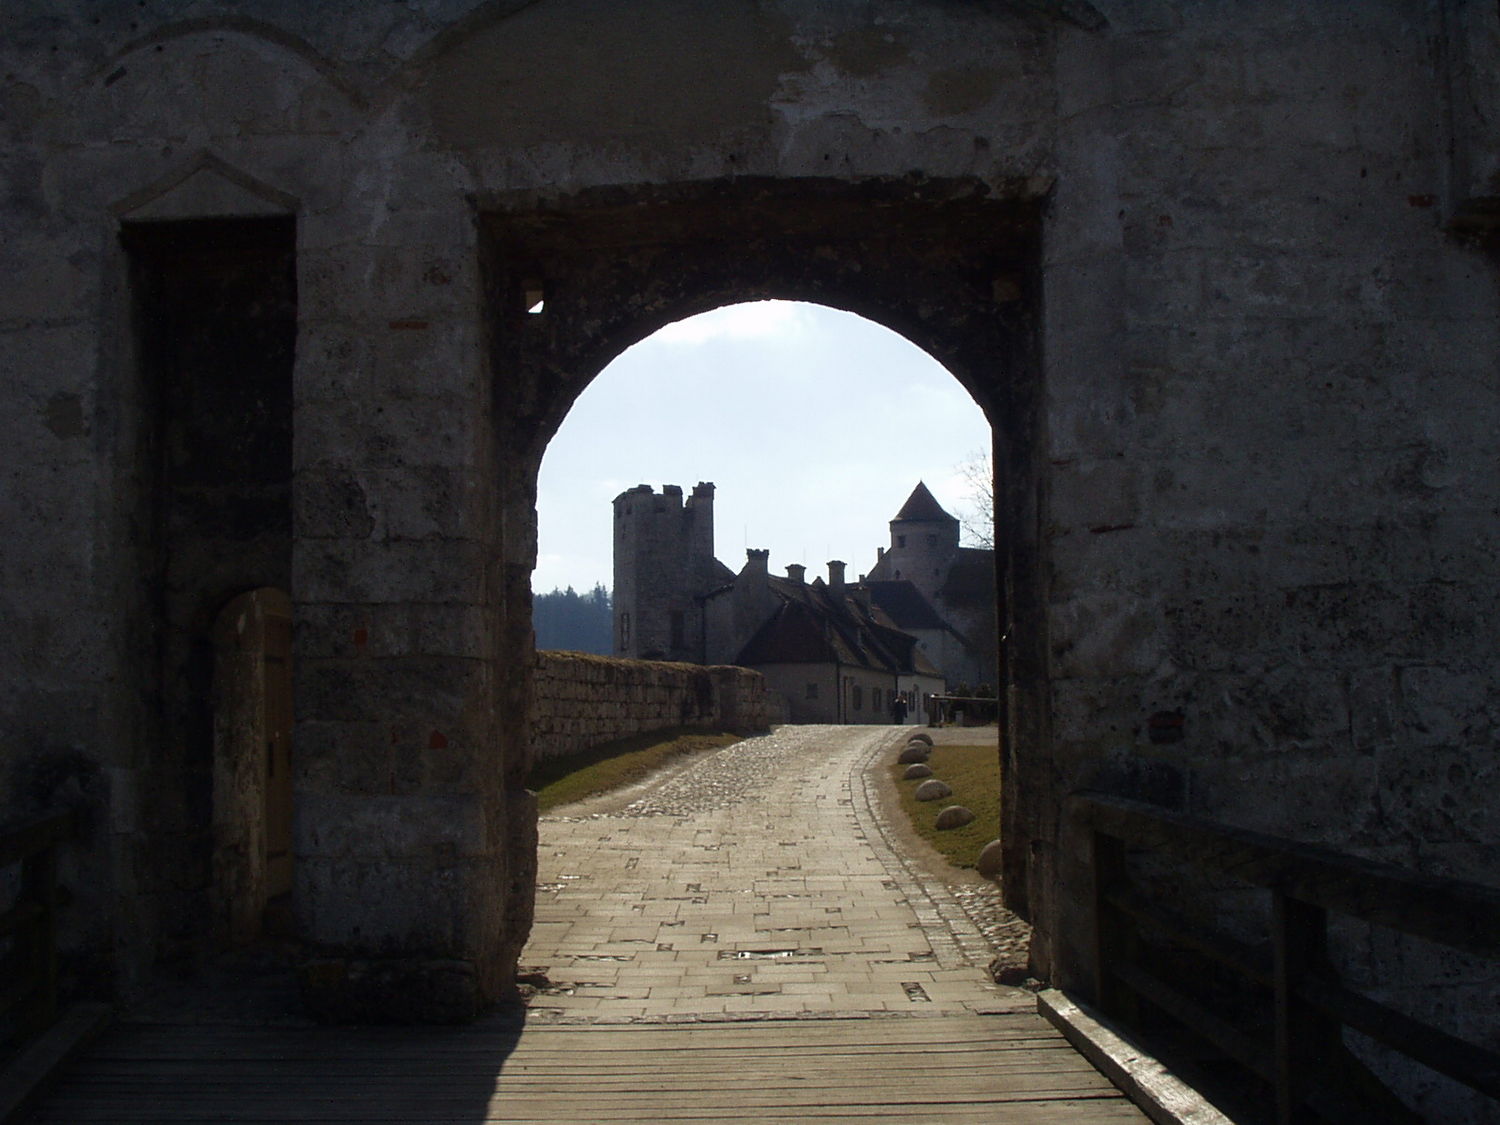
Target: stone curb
[(954, 936)]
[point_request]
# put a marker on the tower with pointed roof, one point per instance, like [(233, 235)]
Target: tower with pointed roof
[(924, 543), (940, 591)]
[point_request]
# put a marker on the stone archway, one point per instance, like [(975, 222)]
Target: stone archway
[(952, 265)]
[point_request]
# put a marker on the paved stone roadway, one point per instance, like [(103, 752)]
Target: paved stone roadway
[(756, 882)]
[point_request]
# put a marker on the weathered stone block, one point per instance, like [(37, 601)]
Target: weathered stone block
[(331, 505), (397, 990), (352, 570), (405, 828), (437, 688)]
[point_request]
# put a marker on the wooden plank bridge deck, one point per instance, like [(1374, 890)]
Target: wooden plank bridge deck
[(1012, 1069)]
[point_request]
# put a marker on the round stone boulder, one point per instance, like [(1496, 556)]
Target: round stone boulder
[(921, 736), (916, 770), (954, 816), (916, 752), (932, 790), (988, 863)]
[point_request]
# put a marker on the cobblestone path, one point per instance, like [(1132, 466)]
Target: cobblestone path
[(756, 882)]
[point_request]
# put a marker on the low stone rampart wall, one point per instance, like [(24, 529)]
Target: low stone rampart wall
[(582, 700)]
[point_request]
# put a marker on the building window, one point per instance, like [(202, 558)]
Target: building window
[(812, 691), (857, 694), (900, 540), (677, 629), (875, 699), (624, 630), (932, 540)]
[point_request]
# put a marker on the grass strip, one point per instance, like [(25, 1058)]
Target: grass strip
[(973, 773), (587, 773)]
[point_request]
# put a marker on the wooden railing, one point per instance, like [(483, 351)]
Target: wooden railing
[(28, 971), (1294, 1042)]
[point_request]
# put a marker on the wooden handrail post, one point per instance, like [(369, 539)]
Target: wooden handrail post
[(1114, 932), (1305, 1039), (39, 885)]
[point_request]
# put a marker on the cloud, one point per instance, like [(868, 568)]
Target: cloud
[(753, 320)]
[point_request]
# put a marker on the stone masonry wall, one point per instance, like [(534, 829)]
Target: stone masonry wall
[(581, 700), (1224, 277)]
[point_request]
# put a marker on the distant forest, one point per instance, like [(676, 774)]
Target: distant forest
[(566, 619)]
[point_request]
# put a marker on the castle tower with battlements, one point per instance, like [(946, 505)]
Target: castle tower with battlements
[(664, 563)]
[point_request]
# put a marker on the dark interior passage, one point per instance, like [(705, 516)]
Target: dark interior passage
[(215, 308)]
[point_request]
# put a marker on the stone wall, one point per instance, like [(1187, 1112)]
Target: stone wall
[(1222, 275), (582, 700)]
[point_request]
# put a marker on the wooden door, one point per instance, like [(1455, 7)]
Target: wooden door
[(252, 794), (278, 733)]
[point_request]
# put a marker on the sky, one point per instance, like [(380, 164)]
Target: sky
[(814, 424)]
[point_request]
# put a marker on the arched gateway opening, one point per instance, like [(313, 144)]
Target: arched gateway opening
[(806, 428), (953, 266), (743, 882)]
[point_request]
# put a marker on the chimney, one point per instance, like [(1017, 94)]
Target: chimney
[(879, 553), (836, 578), (753, 600), (795, 572)]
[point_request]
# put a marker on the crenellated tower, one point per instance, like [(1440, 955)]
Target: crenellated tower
[(664, 562)]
